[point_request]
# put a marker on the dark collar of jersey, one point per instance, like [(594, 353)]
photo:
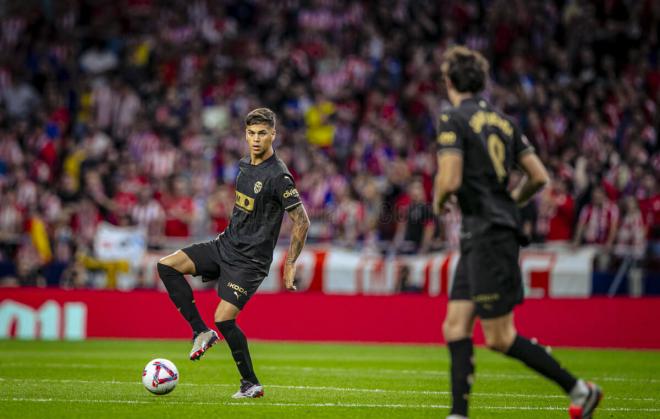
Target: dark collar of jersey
[(245, 161)]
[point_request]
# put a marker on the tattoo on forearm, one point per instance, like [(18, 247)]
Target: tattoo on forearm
[(298, 233)]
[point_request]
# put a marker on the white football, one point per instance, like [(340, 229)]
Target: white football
[(160, 376)]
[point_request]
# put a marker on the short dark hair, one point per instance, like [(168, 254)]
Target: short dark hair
[(466, 68), (261, 116)]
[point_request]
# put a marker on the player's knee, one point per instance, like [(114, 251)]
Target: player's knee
[(499, 342), (448, 330), (164, 264), (166, 261), (496, 345), (177, 261), (452, 330), (221, 317), (225, 314)]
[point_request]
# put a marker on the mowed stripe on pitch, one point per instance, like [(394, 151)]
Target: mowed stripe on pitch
[(358, 372), (325, 388), (307, 405), (86, 355)]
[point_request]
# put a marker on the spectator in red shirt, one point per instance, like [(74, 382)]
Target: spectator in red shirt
[(558, 211), (179, 209), (599, 220), (124, 200)]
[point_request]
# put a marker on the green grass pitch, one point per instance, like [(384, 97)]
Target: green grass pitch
[(102, 378)]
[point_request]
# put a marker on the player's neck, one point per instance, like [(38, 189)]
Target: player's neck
[(456, 97), (258, 159)]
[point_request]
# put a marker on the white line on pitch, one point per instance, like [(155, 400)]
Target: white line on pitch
[(444, 393), (348, 405), (383, 371), (330, 388)]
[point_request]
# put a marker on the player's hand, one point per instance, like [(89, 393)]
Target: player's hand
[(446, 208), (437, 209), (290, 275)]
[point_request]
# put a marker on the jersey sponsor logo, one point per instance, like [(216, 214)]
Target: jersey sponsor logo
[(257, 186), (447, 138), (244, 202), (483, 118), (486, 298), (237, 288), (290, 192)]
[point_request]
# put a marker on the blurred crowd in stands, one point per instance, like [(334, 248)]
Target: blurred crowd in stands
[(131, 112)]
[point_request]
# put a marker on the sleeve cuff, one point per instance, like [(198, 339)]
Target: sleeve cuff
[(450, 150), (292, 206)]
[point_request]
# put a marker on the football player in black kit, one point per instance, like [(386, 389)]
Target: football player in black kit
[(478, 147), (240, 257)]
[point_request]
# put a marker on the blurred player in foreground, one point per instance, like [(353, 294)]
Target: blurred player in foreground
[(478, 147), (240, 257)]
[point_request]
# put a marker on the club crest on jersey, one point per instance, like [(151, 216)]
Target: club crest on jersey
[(257, 186)]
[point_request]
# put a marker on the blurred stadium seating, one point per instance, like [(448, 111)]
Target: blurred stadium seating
[(129, 114)]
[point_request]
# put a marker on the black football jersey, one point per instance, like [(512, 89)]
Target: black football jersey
[(491, 145), (263, 193)]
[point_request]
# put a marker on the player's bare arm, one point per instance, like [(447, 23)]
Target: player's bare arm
[(301, 223), (448, 179), (536, 177)]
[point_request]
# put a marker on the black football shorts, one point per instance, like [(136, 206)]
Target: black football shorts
[(488, 273), (235, 285)]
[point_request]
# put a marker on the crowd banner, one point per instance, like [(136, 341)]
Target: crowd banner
[(113, 243), (120, 251), (56, 314)]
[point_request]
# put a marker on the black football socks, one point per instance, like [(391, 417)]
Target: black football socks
[(462, 374), (239, 349), (538, 359), (182, 296)]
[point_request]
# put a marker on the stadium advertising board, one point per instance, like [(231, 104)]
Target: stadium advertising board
[(53, 314)]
